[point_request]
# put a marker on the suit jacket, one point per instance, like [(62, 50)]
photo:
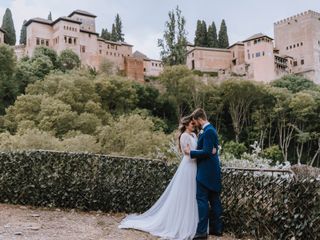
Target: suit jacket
[(208, 164)]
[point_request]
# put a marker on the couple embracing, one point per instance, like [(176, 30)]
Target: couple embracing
[(182, 212)]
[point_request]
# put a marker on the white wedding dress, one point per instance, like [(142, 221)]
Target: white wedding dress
[(175, 214)]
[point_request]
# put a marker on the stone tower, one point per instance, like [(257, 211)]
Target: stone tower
[(299, 37)]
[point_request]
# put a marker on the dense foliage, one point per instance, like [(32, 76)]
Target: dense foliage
[(43, 94)]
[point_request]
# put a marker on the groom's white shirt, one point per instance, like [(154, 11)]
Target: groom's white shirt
[(204, 125)]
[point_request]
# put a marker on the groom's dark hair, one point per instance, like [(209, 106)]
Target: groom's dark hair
[(199, 113)]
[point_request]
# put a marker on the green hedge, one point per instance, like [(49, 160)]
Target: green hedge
[(80, 180), (260, 205)]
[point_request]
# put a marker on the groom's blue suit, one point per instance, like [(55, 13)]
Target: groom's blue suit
[(208, 180)]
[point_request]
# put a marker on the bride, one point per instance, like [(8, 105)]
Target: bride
[(175, 214)]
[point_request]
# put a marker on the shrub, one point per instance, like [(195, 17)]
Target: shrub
[(273, 153), (234, 148)]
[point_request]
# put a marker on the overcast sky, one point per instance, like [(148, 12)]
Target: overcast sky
[(144, 20)]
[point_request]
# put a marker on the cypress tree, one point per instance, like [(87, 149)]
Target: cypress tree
[(23, 33), (204, 34), (212, 36), (8, 26), (113, 34), (118, 28), (105, 34), (50, 16), (197, 39), (223, 35)]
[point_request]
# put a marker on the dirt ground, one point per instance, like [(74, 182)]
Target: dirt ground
[(25, 222)]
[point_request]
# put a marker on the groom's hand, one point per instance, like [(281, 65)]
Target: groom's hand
[(187, 150)]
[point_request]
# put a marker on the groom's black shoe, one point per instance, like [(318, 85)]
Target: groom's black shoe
[(200, 236), (218, 234)]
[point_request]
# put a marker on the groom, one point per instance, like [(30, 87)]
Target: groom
[(208, 177)]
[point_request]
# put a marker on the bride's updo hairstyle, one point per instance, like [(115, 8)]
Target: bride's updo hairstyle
[(184, 122)]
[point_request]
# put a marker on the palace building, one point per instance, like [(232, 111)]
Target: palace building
[(77, 32), (295, 50)]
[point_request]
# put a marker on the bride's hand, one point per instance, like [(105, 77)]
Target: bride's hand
[(187, 150), (214, 151)]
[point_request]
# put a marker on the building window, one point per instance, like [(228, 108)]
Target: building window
[(47, 43), (248, 55), (294, 46), (192, 54), (70, 40), (258, 54), (262, 53), (75, 41), (290, 47), (83, 49), (89, 35), (301, 43), (100, 51), (298, 44), (65, 39), (302, 61), (287, 48), (295, 63), (38, 41)]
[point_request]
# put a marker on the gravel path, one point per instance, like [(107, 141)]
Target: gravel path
[(25, 222)]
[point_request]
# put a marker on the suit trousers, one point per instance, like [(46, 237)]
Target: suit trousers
[(204, 197)]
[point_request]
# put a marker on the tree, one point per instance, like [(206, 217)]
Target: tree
[(304, 108), (204, 34), (117, 94), (223, 35), (239, 96), (50, 16), (45, 51), (107, 67), (283, 118), (294, 83), (105, 34), (23, 33), (212, 36), (113, 36), (201, 39), (69, 60), (133, 135), (8, 26), (41, 66), (118, 29), (174, 43), (8, 85), (182, 88), (25, 74), (197, 39)]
